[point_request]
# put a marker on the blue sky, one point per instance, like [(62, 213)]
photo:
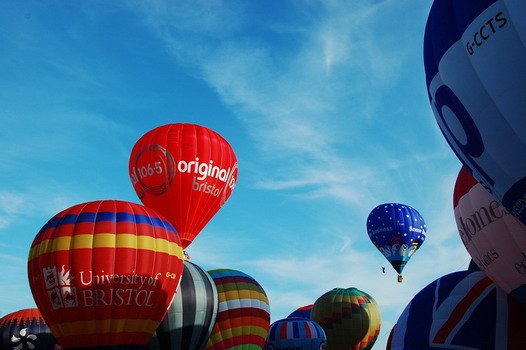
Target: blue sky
[(324, 103)]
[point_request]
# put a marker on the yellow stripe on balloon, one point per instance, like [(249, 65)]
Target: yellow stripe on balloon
[(104, 326), (242, 294), (106, 240)]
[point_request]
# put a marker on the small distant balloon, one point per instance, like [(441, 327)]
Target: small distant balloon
[(397, 231)]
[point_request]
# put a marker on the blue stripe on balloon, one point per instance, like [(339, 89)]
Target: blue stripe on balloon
[(71, 219), (295, 330)]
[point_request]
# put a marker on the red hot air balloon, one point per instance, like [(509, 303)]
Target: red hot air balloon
[(186, 172), (103, 274)]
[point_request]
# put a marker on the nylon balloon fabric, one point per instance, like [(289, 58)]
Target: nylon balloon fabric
[(192, 313), (243, 319), (350, 318), (295, 333), (26, 329), (186, 172), (461, 310), (103, 274), (474, 54)]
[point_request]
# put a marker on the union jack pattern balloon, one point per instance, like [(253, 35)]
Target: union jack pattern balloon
[(461, 310)]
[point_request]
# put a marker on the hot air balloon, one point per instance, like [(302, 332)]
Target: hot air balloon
[(243, 319), (26, 329), (350, 318), (474, 54), (494, 238), (461, 310), (303, 312), (295, 333), (103, 274), (192, 314), (186, 172), (397, 231)]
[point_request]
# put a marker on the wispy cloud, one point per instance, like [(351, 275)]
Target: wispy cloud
[(293, 100)]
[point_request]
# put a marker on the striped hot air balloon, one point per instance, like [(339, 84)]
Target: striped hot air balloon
[(192, 314), (103, 274), (350, 318), (295, 333), (26, 329), (243, 320)]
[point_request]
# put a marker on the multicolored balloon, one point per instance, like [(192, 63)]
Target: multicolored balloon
[(351, 318), (495, 239), (192, 314), (474, 54), (103, 273), (26, 329), (186, 172), (303, 312), (243, 320), (295, 333), (397, 231), (461, 310)]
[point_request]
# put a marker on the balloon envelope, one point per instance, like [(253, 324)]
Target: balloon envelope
[(474, 54), (349, 317), (495, 239), (295, 333), (192, 313), (303, 312), (462, 310), (397, 231), (186, 172), (26, 329), (243, 319), (103, 273)]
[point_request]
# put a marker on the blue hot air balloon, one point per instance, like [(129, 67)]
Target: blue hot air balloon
[(474, 55), (397, 231), (295, 333)]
